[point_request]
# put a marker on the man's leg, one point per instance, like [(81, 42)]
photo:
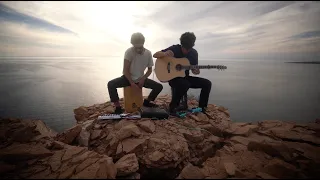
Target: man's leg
[(181, 86), (156, 89), (205, 85), (113, 93)]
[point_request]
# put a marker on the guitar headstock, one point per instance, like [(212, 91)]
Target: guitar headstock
[(221, 67)]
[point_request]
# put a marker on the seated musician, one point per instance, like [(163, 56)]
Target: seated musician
[(182, 84), (136, 59)]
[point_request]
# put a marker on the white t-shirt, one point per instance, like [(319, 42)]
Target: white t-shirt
[(139, 62)]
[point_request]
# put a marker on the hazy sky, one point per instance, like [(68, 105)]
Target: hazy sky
[(223, 29)]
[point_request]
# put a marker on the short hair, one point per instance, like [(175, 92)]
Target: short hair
[(187, 40), (137, 39)]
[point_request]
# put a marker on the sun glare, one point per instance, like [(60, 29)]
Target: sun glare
[(115, 18)]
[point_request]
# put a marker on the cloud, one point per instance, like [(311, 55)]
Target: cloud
[(309, 34), (9, 14), (223, 28)]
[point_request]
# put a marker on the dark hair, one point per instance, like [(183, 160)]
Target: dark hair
[(187, 40), (137, 38)]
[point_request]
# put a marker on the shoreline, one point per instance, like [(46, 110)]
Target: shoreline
[(307, 62)]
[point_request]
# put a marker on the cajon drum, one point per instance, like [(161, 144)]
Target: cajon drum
[(132, 100)]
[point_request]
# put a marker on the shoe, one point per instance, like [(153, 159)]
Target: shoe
[(118, 110), (147, 103), (173, 110), (204, 109)]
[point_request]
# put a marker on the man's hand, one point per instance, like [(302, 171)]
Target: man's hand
[(141, 82), (161, 54), (195, 71), (134, 86), (169, 53)]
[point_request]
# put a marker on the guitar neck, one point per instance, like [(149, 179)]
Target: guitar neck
[(199, 67)]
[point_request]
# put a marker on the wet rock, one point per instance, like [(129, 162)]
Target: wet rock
[(265, 175), (69, 135), (6, 167), (147, 126), (95, 134), (88, 172), (295, 136), (213, 169), (222, 109), (121, 124), (246, 164), (132, 176), (202, 117), (242, 129), (107, 169), (191, 172), (273, 149), (97, 126), (84, 135), (24, 134), (42, 129), (194, 117), (81, 114), (130, 146), (80, 110), (71, 151), (230, 168), (57, 145), (280, 169), (193, 136), (128, 131), (17, 152), (126, 165)]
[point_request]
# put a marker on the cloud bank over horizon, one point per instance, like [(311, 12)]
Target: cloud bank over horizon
[(224, 29)]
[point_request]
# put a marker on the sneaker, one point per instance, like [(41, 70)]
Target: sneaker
[(173, 111), (118, 110), (204, 109), (147, 103)]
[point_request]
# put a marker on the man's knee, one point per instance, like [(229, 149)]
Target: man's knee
[(159, 87), (111, 84), (207, 83)]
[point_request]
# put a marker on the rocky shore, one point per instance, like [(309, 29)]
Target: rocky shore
[(199, 146)]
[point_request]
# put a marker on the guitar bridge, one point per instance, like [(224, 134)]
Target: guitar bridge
[(168, 67)]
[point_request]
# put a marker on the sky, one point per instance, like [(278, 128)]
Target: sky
[(224, 29)]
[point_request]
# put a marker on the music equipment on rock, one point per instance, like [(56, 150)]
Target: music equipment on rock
[(154, 113)]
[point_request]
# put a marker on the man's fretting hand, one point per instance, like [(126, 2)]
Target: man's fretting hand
[(195, 71)]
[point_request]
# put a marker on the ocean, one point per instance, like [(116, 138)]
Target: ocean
[(49, 88)]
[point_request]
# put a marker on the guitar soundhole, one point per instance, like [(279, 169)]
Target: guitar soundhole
[(178, 67)]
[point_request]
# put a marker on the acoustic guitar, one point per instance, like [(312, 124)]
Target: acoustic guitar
[(167, 68)]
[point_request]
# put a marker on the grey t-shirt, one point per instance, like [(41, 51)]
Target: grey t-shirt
[(139, 62)]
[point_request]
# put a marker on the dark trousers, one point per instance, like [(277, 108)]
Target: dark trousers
[(182, 85), (123, 82)]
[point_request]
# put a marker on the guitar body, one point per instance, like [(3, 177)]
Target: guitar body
[(165, 68)]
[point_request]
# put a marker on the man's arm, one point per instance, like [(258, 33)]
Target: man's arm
[(126, 70), (193, 59), (126, 66), (150, 64), (165, 52), (147, 74)]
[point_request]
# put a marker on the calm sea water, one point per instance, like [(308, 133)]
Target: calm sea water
[(50, 88)]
